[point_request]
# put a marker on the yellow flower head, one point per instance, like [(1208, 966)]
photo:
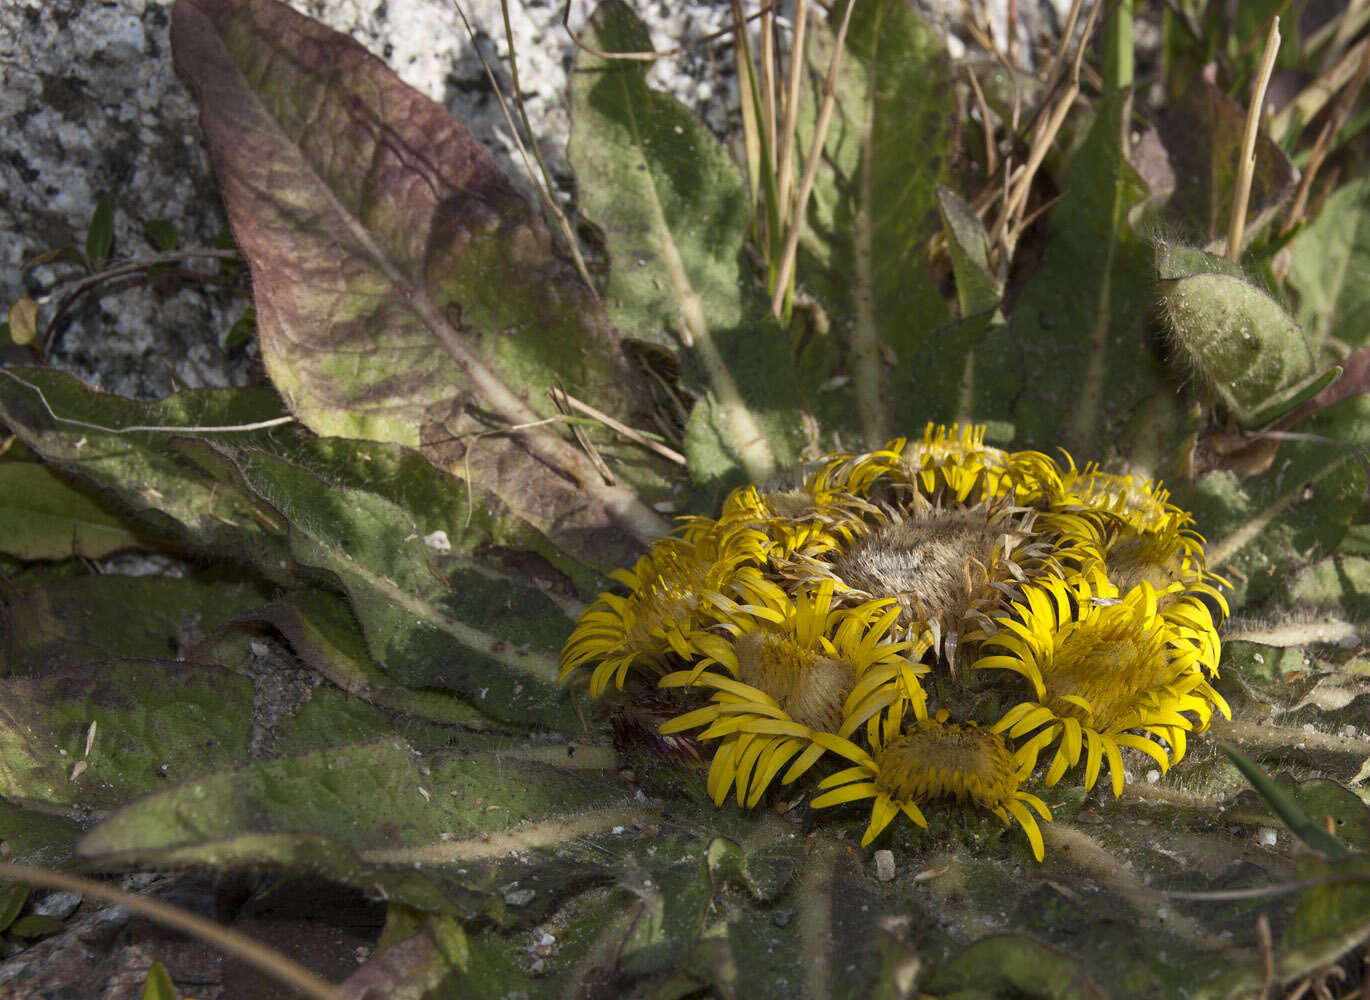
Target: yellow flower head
[(819, 668), (681, 586), (934, 760), (953, 463), (1106, 672), (803, 522), (809, 616), (1129, 529)]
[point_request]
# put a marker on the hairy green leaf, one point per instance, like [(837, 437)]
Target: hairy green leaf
[(171, 483), (1236, 338), (435, 831), (1077, 361), (889, 147), (323, 631), (491, 640), (152, 720), (674, 214), (105, 617), (43, 516)]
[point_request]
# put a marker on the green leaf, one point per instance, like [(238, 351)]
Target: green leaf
[(1328, 263), (43, 516), (1329, 922), (418, 954), (161, 234), (890, 146), (41, 836), (323, 632), (13, 896), (170, 484), (1013, 965), (158, 984), (424, 829), (977, 288), (483, 533), (242, 331), (1074, 363), (1330, 911), (1295, 513), (100, 234), (152, 721), (674, 213), (492, 641), (947, 361), (764, 873), (106, 617), (404, 290), (35, 926), (1286, 807)]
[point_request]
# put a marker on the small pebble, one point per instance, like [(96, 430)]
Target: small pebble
[(518, 897), (57, 905), (884, 865)]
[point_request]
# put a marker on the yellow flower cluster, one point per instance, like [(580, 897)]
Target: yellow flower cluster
[(868, 613)]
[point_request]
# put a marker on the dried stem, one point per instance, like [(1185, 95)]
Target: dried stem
[(1042, 138), (820, 135), (1314, 97), (785, 168), (637, 437), (768, 115), (1323, 145), (1242, 195), (991, 154)]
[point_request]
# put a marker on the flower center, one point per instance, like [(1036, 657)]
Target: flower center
[(810, 687), (937, 759), (1110, 660), (935, 566)]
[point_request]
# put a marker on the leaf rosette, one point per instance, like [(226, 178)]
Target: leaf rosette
[(999, 667)]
